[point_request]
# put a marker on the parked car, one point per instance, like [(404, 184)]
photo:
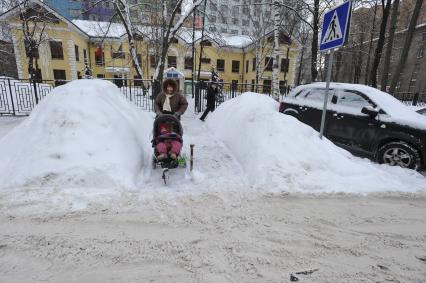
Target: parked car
[(363, 120), (422, 111)]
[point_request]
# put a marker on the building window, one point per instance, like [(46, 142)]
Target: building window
[(234, 31), (37, 76), (77, 53), (269, 62), (235, 66), (253, 67), (137, 80), (235, 21), (223, 30), (85, 56), (99, 58), (188, 63), (152, 61), (246, 11), (59, 76), (284, 65), (235, 11), (420, 52), (206, 43), (78, 75), (205, 60), (223, 20), (247, 65), (118, 54), (245, 23), (100, 76), (56, 50), (220, 65), (283, 86), (266, 86), (171, 61)]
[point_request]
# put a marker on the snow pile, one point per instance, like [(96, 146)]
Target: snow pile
[(279, 152), (83, 134)]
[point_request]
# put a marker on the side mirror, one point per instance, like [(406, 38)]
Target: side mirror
[(370, 111)]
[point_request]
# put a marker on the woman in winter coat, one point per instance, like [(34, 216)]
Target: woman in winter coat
[(211, 99), (170, 100)]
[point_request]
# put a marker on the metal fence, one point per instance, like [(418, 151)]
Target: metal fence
[(19, 97), (410, 98), (228, 91)]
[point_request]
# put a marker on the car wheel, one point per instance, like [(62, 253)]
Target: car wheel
[(399, 154)]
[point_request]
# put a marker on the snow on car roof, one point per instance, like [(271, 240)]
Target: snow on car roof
[(398, 112)]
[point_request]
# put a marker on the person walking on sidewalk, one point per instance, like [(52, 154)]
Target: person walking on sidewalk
[(211, 99)]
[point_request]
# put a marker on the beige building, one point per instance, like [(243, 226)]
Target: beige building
[(66, 47)]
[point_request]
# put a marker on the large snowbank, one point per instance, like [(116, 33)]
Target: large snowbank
[(278, 151), (83, 134)]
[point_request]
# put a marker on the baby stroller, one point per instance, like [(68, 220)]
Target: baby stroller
[(174, 126)]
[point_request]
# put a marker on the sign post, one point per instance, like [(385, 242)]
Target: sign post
[(335, 31)]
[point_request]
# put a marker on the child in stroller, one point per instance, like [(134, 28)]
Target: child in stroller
[(167, 141)]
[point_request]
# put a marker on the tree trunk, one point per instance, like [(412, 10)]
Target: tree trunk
[(407, 43), (276, 52), (299, 73), (392, 28), (358, 65), (201, 40), (370, 46), (380, 42), (314, 46)]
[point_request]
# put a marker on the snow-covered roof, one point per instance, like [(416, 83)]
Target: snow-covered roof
[(100, 29), (116, 30), (221, 39)]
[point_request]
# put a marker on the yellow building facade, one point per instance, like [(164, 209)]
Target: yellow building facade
[(68, 45)]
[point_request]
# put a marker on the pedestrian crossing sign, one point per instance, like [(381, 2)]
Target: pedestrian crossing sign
[(335, 27)]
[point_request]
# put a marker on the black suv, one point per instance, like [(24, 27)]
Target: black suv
[(363, 120)]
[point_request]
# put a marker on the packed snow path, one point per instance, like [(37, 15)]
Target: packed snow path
[(215, 168)]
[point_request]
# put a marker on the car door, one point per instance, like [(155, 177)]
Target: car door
[(313, 105), (348, 126)]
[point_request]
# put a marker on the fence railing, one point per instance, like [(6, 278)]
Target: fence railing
[(228, 91), (410, 98), (19, 97)]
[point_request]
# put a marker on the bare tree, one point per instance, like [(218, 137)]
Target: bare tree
[(381, 41), (33, 20), (392, 28), (407, 44)]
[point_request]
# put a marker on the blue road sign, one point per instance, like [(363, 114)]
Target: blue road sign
[(335, 27)]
